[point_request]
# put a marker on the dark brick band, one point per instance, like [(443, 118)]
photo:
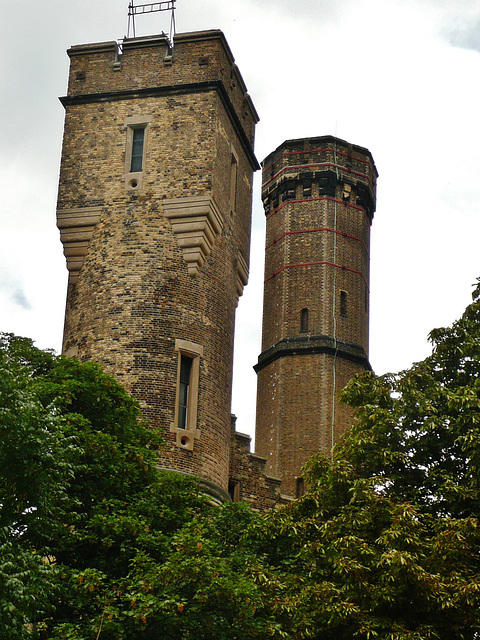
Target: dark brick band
[(305, 345)]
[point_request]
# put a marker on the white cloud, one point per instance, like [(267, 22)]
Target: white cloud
[(396, 76)]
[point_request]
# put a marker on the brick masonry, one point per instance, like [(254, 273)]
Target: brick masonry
[(158, 257), (133, 292), (319, 199)]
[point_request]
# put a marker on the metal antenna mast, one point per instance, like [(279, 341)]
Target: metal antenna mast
[(152, 7)]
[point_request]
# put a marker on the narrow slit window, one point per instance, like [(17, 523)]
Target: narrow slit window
[(343, 304), (185, 372), (234, 490), (233, 182), (303, 320), (138, 143), (299, 487)]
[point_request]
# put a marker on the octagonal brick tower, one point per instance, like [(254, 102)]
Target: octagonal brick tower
[(154, 211), (319, 198)]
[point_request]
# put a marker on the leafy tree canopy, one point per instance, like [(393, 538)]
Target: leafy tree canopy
[(81, 498), (98, 544), (386, 542)]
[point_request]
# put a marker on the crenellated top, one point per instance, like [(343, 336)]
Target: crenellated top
[(319, 167)]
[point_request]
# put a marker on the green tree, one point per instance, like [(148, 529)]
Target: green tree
[(109, 546), (386, 542), (33, 478), (80, 493), (427, 423), (97, 544)]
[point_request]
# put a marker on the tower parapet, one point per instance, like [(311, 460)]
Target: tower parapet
[(319, 196)]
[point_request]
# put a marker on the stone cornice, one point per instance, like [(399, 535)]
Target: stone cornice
[(76, 230), (242, 274), (305, 345)]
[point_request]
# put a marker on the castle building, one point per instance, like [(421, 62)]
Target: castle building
[(319, 199), (154, 212)]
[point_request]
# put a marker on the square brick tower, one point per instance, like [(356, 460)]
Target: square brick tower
[(154, 211), (319, 199)]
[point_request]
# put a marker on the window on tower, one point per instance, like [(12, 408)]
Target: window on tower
[(304, 320), (137, 130), (299, 487), (233, 181), (186, 400), (138, 143), (183, 388), (343, 304)]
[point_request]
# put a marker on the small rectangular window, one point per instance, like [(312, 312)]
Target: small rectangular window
[(233, 182), (343, 304), (138, 141), (299, 487), (136, 128), (234, 490), (304, 320)]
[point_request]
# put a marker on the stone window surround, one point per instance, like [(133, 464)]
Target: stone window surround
[(134, 179), (185, 438)]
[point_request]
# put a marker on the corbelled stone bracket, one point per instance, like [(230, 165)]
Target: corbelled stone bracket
[(196, 223), (76, 230), (242, 274)]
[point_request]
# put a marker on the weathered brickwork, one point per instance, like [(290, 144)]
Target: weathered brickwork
[(249, 480), (154, 212), (319, 198), (159, 256)]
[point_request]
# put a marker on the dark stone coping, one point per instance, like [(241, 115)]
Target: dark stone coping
[(177, 89), (242, 436), (305, 345)]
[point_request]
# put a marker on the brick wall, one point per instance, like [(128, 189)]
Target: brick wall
[(142, 276), (249, 480), (319, 198)]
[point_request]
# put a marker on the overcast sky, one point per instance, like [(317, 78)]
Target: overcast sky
[(398, 77)]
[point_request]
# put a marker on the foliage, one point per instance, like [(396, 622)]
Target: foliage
[(80, 494), (386, 542), (427, 423), (96, 543), (99, 543)]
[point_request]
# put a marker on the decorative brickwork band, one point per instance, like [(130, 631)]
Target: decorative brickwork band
[(196, 223), (76, 230), (305, 345), (319, 200), (315, 264)]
